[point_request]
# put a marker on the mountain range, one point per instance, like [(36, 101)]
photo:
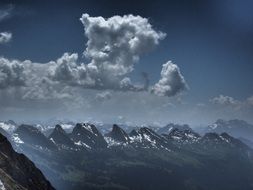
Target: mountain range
[(87, 159), (236, 128), (172, 157)]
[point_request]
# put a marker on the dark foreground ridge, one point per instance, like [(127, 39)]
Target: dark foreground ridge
[(17, 172), (143, 159)]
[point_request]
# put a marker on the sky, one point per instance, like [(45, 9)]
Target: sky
[(136, 62)]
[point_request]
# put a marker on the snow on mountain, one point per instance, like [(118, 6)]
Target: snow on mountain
[(183, 136), (2, 185), (89, 135), (147, 138), (15, 138), (8, 127), (80, 143), (61, 138), (118, 134), (112, 142), (32, 136)]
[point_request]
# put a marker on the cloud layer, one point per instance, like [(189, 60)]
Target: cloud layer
[(101, 82), (12, 73), (224, 100), (227, 102), (114, 45)]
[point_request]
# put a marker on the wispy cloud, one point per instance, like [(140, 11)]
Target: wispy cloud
[(6, 12), (227, 101), (5, 37)]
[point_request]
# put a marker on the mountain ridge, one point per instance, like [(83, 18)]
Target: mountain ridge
[(175, 158), (17, 171)]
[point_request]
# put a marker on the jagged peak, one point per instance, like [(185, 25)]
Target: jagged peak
[(58, 128), (117, 129), (118, 134), (86, 127), (88, 135)]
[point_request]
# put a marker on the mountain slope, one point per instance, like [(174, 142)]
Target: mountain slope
[(61, 138), (32, 136), (87, 135), (117, 135), (17, 171), (144, 159)]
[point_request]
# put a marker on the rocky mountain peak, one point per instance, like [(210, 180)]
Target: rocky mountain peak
[(61, 138), (87, 135), (118, 134)]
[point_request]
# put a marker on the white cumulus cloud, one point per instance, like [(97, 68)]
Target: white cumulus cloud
[(114, 45), (171, 82), (12, 73)]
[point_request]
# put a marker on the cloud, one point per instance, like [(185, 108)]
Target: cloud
[(67, 70), (224, 100), (12, 73), (5, 12), (5, 37), (227, 107), (250, 101), (171, 83), (230, 102), (102, 96), (114, 45)]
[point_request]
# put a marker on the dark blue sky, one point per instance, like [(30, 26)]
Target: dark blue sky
[(211, 41)]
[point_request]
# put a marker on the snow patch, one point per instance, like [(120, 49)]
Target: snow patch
[(88, 127), (112, 142), (7, 127), (224, 139), (153, 143), (51, 139), (137, 138), (2, 186), (16, 139), (80, 143)]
